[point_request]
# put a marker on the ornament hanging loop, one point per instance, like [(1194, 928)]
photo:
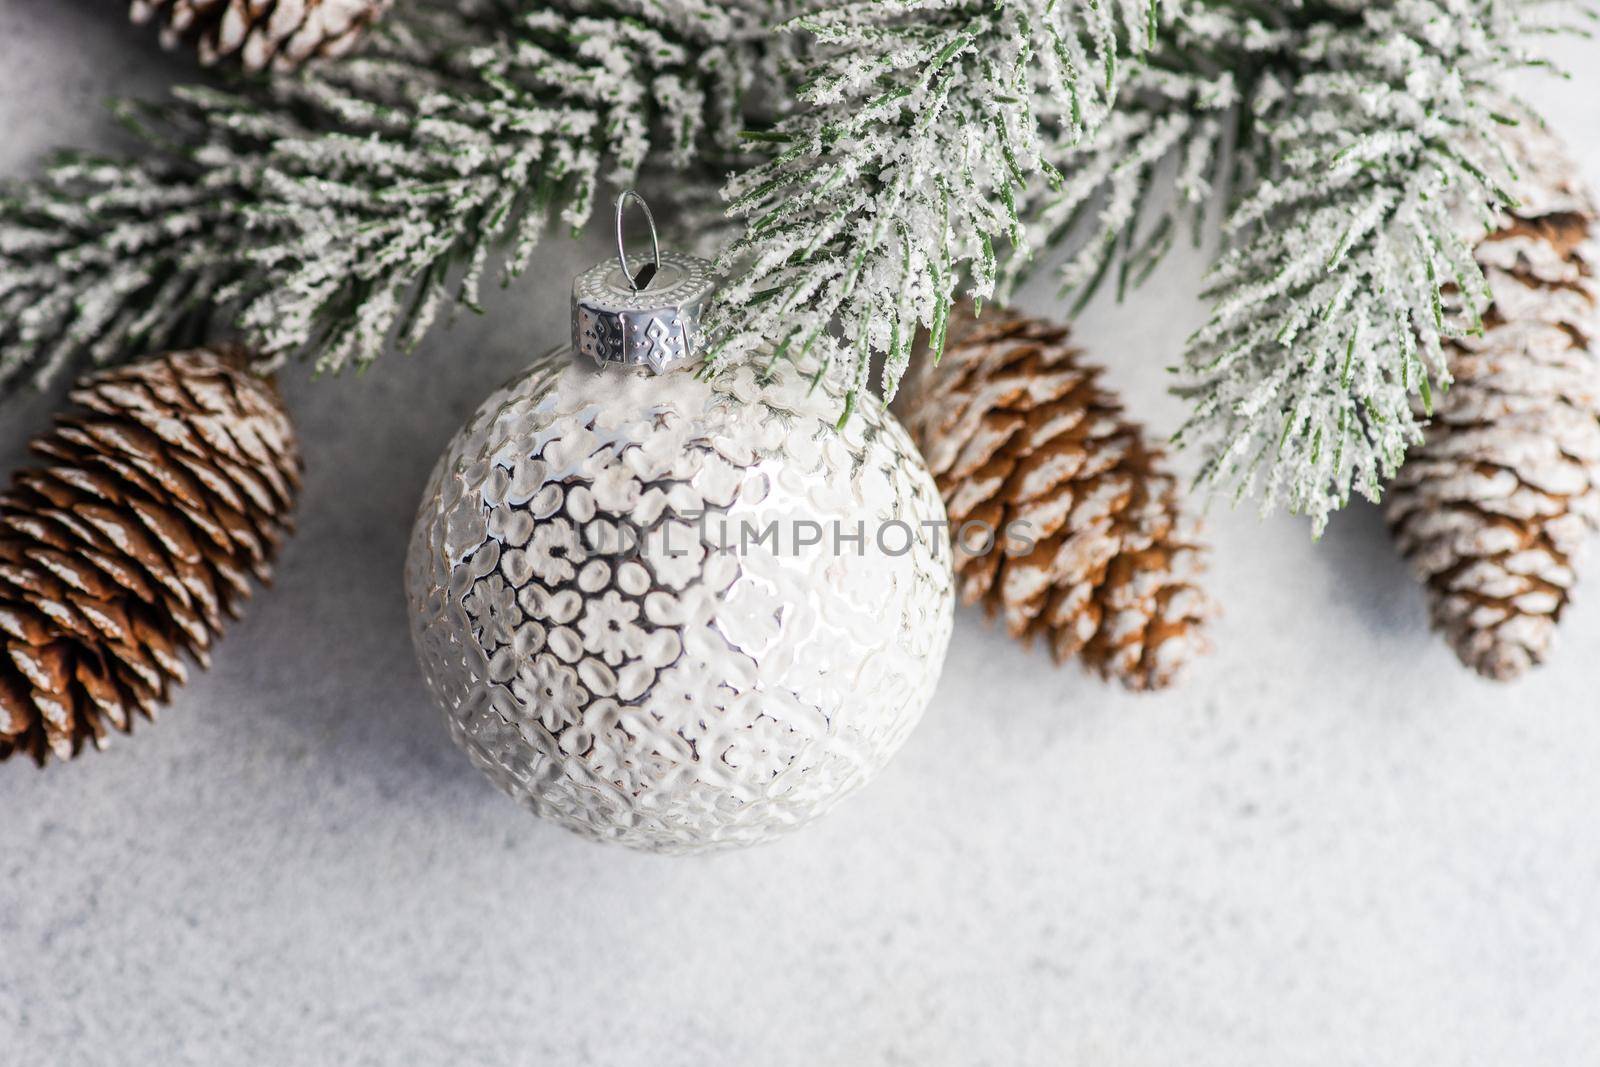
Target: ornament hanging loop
[(648, 272), (650, 319)]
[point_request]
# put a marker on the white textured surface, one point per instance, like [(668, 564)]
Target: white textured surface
[(1333, 847)]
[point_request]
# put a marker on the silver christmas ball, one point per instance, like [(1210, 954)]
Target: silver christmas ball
[(678, 613)]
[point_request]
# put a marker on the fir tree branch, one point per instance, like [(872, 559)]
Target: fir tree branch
[(102, 257), (1151, 169), (923, 147), (908, 168), (1370, 147), (345, 207)]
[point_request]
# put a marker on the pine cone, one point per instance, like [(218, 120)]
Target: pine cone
[(1493, 509), (1020, 436), (279, 33), (156, 504)]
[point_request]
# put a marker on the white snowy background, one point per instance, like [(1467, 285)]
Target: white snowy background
[(1332, 846)]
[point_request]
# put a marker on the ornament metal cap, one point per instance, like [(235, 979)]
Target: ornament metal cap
[(649, 318)]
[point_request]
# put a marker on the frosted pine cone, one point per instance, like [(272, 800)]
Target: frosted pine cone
[(279, 33), (1020, 435), (131, 544), (1495, 508)]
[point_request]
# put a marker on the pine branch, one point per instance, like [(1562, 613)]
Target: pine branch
[(922, 148), (1151, 169), (941, 144), (102, 257), (345, 207), (924, 125), (1371, 142)]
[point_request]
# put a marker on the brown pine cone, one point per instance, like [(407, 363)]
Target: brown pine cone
[(129, 546), (279, 33), (1021, 436), (1493, 509)]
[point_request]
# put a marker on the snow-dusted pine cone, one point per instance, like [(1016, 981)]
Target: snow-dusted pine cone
[(1494, 509), (279, 33), (1021, 436), (154, 506)]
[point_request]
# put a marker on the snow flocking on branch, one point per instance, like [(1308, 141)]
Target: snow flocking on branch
[(896, 154), (1347, 258), (340, 210), (939, 145), (922, 127)]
